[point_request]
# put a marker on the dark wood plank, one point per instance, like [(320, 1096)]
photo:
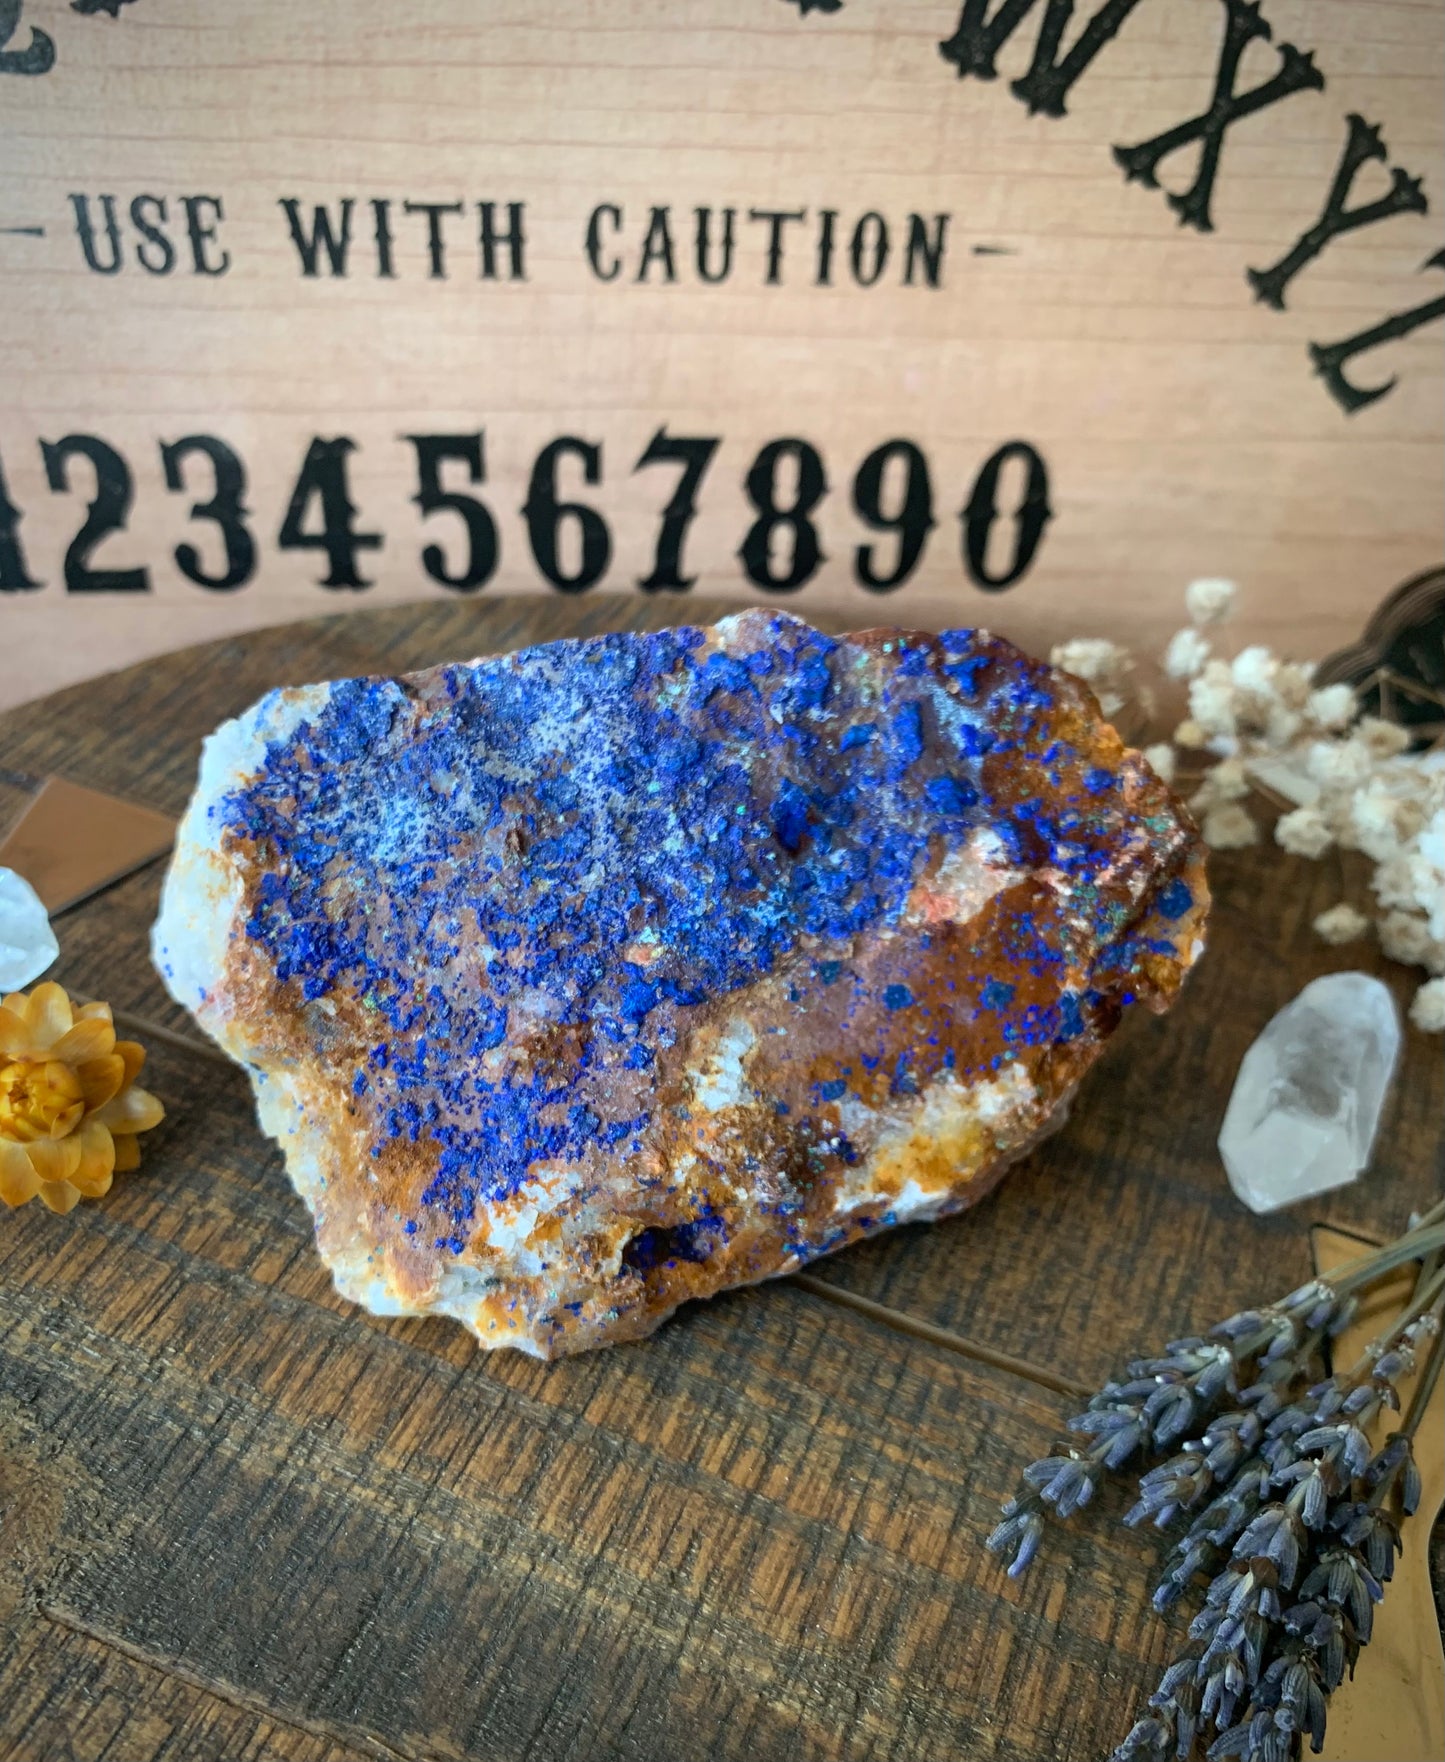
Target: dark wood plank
[(756, 1534), (72, 1698), (16, 789)]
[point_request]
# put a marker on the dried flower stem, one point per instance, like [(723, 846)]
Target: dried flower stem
[(1293, 1515)]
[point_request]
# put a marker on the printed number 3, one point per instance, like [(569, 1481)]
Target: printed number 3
[(227, 508)]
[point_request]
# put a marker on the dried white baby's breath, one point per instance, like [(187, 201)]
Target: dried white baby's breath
[(1305, 833), (1229, 827), (1186, 654), (1341, 923), (1428, 1009), (1262, 723), (1209, 600), (1253, 669), (1213, 701), (1092, 659), (1332, 706), (1383, 739)]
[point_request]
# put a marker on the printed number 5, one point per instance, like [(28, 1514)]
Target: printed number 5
[(431, 451)]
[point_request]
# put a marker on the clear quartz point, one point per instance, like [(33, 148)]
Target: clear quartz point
[(1307, 1099), (27, 943)]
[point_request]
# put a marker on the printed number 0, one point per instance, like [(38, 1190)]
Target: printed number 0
[(1031, 516), (762, 487)]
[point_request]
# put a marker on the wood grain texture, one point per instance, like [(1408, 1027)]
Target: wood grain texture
[(255, 1521), (1183, 427)]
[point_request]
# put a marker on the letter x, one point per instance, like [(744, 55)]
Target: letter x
[(1296, 73)]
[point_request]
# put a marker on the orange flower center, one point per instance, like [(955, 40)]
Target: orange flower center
[(39, 1098)]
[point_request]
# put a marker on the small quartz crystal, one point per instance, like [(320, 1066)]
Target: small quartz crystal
[(27, 943), (1307, 1099)]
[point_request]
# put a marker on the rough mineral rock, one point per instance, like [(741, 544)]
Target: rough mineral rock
[(586, 980), (27, 942), (1307, 1100)]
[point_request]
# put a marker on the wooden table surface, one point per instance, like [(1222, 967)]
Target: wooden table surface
[(241, 1519)]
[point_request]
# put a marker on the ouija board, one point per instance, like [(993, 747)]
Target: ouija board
[(1021, 312)]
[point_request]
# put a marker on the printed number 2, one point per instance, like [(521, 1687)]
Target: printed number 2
[(108, 511)]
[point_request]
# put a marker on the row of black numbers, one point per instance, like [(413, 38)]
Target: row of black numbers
[(780, 552)]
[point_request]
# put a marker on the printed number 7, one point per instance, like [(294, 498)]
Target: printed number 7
[(694, 454)]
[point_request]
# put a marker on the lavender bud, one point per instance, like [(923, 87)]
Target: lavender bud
[(1123, 1445), (1328, 1398), (1023, 1533), (1237, 1741), (1387, 1460), (1285, 1339), (1170, 1411), (1071, 1488), (1410, 1487), (1315, 1505), (1148, 1741)]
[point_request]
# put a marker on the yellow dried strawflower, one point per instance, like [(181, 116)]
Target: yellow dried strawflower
[(69, 1104)]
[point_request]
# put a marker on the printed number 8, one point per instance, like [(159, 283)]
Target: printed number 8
[(762, 487)]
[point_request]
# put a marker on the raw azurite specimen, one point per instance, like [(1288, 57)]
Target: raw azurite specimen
[(581, 981)]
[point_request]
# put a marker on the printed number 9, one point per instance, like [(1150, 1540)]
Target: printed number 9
[(912, 522)]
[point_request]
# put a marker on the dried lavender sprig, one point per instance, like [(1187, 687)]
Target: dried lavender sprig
[(1262, 1668), (1293, 1515), (1160, 1400)]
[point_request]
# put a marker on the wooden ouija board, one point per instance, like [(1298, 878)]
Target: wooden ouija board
[(933, 311)]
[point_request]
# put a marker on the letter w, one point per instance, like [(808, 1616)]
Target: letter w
[(976, 42), (336, 242)]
